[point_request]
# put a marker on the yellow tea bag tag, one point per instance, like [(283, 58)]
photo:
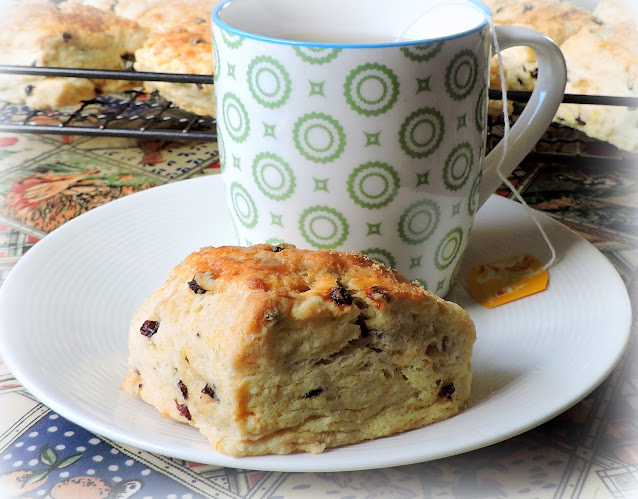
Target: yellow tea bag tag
[(506, 280)]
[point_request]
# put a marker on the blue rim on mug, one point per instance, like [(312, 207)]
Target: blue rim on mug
[(216, 19)]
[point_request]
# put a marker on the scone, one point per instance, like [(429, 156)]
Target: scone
[(274, 349), (554, 18), (40, 33), (617, 12), (66, 35), (188, 15), (130, 9), (603, 62), (180, 41)]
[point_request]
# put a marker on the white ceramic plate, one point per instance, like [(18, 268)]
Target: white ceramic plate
[(65, 309)]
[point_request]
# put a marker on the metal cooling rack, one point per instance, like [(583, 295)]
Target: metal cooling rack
[(139, 115), (129, 114)]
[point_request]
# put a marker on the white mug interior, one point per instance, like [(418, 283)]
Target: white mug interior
[(352, 22)]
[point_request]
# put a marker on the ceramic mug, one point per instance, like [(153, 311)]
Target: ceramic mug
[(354, 126)]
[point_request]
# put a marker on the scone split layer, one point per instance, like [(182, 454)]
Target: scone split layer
[(273, 349)]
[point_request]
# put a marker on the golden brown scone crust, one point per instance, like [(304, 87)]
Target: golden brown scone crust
[(180, 41), (67, 35), (278, 350), (179, 52)]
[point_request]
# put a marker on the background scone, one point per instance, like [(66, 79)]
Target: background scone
[(130, 9), (604, 61), (179, 41), (67, 35), (278, 350), (614, 12), (556, 19)]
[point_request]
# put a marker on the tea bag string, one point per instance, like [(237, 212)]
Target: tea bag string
[(506, 130), (506, 119)]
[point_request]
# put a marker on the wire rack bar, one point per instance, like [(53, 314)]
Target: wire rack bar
[(603, 100), (131, 75), (109, 74), (114, 132)]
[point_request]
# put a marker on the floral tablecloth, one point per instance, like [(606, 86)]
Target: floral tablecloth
[(589, 451)]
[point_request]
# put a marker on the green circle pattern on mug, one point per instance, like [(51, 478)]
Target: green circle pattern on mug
[(472, 201), (479, 112), (371, 89), (422, 53), (319, 137), (448, 249), (273, 176), (243, 205), (422, 132), (458, 166), (419, 221), (236, 120), (373, 185), (269, 82), (380, 255), (216, 61), (231, 40), (323, 227), (461, 74), (221, 150), (316, 55)]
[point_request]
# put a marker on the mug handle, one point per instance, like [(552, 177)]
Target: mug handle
[(539, 111)]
